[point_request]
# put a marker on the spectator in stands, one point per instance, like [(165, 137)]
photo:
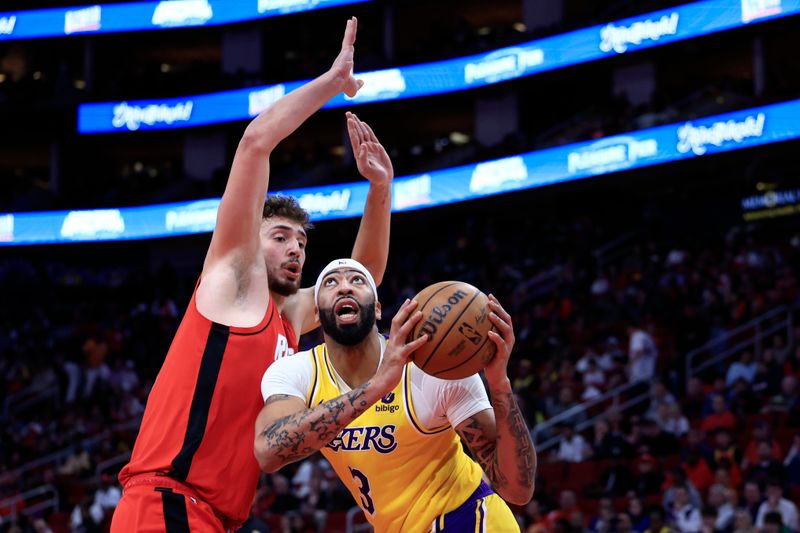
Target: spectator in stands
[(659, 396), (648, 480), (751, 499), (720, 417), (593, 378), (642, 355), (743, 400), (708, 519), (677, 478), (106, 497), (745, 368), (604, 521), (524, 376), (83, 520), (625, 524), (743, 522), (284, 501), (534, 521), (567, 508), (657, 441), (724, 448), (566, 402), (775, 502), (792, 463), (684, 516), (788, 399), (40, 526), (728, 474), (636, 514), (760, 432), (674, 422), (792, 365), (657, 522), (722, 507), (768, 373), (766, 466), (617, 479), (695, 398), (573, 447), (607, 443), (255, 525)]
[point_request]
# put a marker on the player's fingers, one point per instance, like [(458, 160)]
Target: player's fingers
[(498, 340), (498, 309), (371, 134), (362, 130), (353, 133), (503, 326), (409, 324), (403, 313), (350, 32), (416, 344), (362, 156), (358, 129)]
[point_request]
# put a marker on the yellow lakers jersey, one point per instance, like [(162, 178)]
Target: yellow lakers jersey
[(400, 473)]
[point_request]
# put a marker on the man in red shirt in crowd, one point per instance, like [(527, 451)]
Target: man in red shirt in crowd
[(721, 417)]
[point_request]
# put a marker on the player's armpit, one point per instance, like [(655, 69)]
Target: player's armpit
[(299, 310)]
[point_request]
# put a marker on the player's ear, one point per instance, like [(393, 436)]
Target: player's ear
[(316, 314), (377, 310)]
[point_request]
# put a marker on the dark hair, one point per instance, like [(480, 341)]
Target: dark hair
[(286, 207), (709, 512), (774, 518)]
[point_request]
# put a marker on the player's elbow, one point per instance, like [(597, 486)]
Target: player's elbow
[(518, 495), (257, 141), (267, 461)]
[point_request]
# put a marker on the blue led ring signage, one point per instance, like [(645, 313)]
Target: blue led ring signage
[(654, 146)]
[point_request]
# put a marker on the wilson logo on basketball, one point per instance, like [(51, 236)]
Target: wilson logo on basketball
[(438, 314)]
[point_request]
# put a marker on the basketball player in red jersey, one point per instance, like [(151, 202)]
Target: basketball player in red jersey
[(190, 470)]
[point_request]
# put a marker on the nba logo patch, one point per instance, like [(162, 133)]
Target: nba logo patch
[(469, 332)]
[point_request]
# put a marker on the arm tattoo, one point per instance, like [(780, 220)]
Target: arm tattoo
[(298, 435), (513, 443), (485, 452), (509, 417)]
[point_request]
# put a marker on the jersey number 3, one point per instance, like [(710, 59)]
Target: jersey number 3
[(364, 489)]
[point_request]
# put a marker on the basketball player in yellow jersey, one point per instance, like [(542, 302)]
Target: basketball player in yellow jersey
[(389, 430)]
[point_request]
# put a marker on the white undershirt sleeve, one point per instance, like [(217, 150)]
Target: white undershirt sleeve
[(288, 375), (463, 398)]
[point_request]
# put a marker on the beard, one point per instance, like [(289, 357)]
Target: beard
[(349, 334), (281, 285)]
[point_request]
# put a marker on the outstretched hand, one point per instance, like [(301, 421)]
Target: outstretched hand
[(342, 68), (371, 157)]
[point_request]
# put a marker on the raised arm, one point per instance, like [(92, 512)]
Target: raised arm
[(371, 247), (236, 236), (287, 431), (499, 438)]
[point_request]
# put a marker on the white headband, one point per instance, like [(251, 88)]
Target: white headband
[(349, 264)]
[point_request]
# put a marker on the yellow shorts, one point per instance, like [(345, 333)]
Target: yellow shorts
[(483, 512)]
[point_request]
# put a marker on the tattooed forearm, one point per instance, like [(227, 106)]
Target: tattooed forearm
[(293, 437), (514, 440), (502, 446), (485, 452)]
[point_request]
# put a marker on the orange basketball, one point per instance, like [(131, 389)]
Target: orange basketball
[(455, 317)]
